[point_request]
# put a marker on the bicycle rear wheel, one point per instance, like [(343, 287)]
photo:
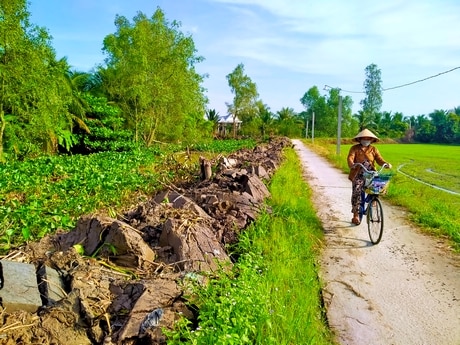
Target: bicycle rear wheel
[(374, 218)]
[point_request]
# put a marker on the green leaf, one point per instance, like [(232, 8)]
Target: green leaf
[(79, 249), (26, 233)]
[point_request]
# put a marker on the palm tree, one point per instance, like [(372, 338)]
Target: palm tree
[(78, 107), (265, 116), (286, 120), (364, 120), (213, 116)]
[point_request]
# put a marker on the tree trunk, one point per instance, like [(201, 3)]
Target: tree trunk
[(2, 130), (205, 167)]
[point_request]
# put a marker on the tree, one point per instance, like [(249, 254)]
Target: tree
[(288, 122), (315, 103), (326, 111), (244, 91), (446, 126), (34, 112), (213, 116), (266, 120), (372, 103), (425, 132), (151, 74), (348, 127), (265, 117), (364, 120), (331, 123)]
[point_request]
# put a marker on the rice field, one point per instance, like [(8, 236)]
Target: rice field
[(426, 182)]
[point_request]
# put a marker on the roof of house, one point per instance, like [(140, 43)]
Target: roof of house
[(228, 119)]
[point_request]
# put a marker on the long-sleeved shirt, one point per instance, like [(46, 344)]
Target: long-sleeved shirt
[(359, 154)]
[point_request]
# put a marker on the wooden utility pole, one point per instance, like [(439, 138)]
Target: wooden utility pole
[(306, 130), (313, 128), (339, 125)]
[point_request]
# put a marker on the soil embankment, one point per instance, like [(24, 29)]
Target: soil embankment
[(122, 278)]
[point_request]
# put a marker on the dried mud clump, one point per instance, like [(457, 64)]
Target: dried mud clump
[(120, 279)]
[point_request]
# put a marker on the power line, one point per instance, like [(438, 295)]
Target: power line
[(420, 80), (403, 85)]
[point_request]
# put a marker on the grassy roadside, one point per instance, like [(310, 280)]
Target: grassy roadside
[(272, 295), (435, 211)]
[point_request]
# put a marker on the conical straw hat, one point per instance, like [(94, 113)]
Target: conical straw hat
[(365, 133)]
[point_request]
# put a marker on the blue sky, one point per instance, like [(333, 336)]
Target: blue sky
[(288, 46)]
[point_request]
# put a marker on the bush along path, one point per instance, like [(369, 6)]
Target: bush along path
[(120, 280)]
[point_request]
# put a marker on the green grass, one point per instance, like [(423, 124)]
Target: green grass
[(433, 210), (434, 164), (273, 294)]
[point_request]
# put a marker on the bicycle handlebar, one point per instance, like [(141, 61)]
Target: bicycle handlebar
[(370, 171)]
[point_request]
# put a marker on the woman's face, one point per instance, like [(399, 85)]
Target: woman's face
[(366, 141)]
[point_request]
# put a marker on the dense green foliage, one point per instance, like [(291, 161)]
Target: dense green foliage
[(34, 94), (322, 112), (272, 294), (148, 90), (43, 194), (244, 92), (372, 103), (150, 74), (432, 209)]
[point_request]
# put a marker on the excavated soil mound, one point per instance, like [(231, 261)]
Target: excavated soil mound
[(121, 278)]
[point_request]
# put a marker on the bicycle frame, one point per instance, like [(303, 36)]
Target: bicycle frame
[(371, 207)]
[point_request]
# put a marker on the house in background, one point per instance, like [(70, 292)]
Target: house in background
[(226, 123)]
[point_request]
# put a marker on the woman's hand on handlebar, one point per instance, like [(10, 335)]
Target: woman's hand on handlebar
[(385, 165)]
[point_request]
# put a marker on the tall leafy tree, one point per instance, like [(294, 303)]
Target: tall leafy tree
[(326, 111), (331, 123), (349, 127), (256, 120), (33, 109), (315, 103), (372, 103), (244, 92), (151, 74)]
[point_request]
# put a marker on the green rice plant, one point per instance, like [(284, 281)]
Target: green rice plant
[(272, 295)]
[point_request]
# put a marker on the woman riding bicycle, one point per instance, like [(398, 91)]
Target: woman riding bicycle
[(366, 154)]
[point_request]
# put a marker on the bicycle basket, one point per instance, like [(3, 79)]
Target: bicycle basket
[(378, 185), (368, 177)]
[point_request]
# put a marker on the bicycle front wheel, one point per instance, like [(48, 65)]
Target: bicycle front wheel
[(374, 217)]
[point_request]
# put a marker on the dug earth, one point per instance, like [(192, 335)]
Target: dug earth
[(119, 280)]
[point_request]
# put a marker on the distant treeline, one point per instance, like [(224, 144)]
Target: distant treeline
[(148, 90)]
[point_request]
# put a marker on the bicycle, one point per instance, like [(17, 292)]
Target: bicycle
[(374, 185)]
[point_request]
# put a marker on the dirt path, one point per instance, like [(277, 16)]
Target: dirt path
[(403, 291)]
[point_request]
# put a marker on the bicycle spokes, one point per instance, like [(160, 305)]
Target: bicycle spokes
[(375, 220)]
